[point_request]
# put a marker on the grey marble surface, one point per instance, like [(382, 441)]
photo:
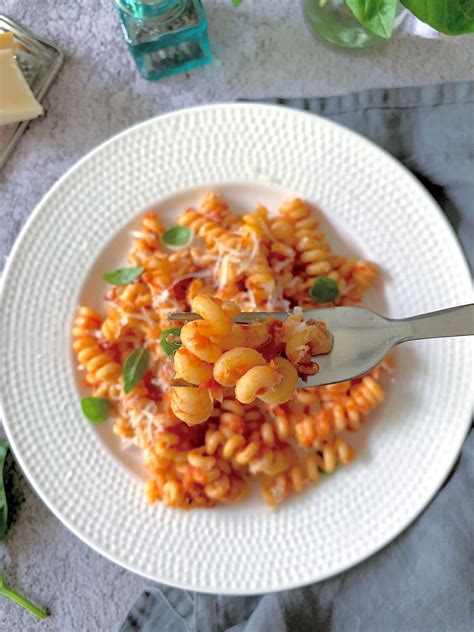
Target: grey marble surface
[(262, 50)]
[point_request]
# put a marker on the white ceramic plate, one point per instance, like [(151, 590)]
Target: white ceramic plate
[(250, 153)]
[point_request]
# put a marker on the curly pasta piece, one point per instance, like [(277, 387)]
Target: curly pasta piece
[(196, 288), (305, 339), (218, 314), (217, 321), (295, 210), (256, 382), (159, 271), (310, 245), (276, 488), (196, 337), (252, 336), (213, 206), (193, 405), (287, 386), (233, 364), (112, 325), (99, 363), (282, 230), (256, 222), (209, 231), (311, 430), (147, 240), (260, 280), (190, 368)]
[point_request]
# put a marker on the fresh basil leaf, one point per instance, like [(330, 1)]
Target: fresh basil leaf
[(377, 16), (324, 290), (3, 493), (177, 236), (96, 409), (168, 345), (453, 17), (237, 3), (123, 276), (135, 368)]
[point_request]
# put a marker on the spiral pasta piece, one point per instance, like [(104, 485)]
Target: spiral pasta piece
[(99, 364), (233, 364), (209, 231), (276, 489), (147, 240), (260, 280), (192, 405), (213, 206)]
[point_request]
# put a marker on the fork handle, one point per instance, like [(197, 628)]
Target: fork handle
[(455, 321)]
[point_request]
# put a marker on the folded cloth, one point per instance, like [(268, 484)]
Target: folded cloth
[(422, 581)]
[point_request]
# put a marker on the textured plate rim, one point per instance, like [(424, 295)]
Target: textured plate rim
[(421, 505)]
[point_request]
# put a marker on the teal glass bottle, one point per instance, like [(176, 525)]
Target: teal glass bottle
[(165, 37)]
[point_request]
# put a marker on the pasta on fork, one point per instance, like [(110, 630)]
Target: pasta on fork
[(270, 378), (242, 418)]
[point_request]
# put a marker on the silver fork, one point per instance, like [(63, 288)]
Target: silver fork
[(363, 338)]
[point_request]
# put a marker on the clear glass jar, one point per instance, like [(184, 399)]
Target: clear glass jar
[(165, 37), (333, 20)]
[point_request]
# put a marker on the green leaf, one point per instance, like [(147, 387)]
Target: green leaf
[(96, 409), (123, 276), (237, 3), (453, 17), (377, 16), (20, 600), (324, 290), (135, 368), (178, 236), (3, 493), (168, 341), (5, 591)]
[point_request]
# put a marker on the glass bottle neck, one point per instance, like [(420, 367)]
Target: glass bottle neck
[(166, 10)]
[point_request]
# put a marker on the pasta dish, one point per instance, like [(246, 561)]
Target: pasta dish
[(240, 416)]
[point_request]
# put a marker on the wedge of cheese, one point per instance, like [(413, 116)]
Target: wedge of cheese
[(17, 102)]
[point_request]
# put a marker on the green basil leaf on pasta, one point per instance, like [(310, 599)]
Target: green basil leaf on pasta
[(177, 237), (134, 369), (324, 290), (123, 276), (96, 409), (169, 340)]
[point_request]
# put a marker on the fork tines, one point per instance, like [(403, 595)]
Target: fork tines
[(243, 318)]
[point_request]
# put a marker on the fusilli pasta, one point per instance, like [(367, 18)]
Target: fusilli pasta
[(242, 418)]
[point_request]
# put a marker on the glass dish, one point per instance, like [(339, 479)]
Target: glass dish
[(40, 62)]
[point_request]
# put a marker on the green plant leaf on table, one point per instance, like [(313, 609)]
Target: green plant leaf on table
[(20, 600), (3, 494), (453, 17), (4, 590), (378, 16)]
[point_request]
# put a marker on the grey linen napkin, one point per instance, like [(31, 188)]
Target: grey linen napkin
[(423, 581)]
